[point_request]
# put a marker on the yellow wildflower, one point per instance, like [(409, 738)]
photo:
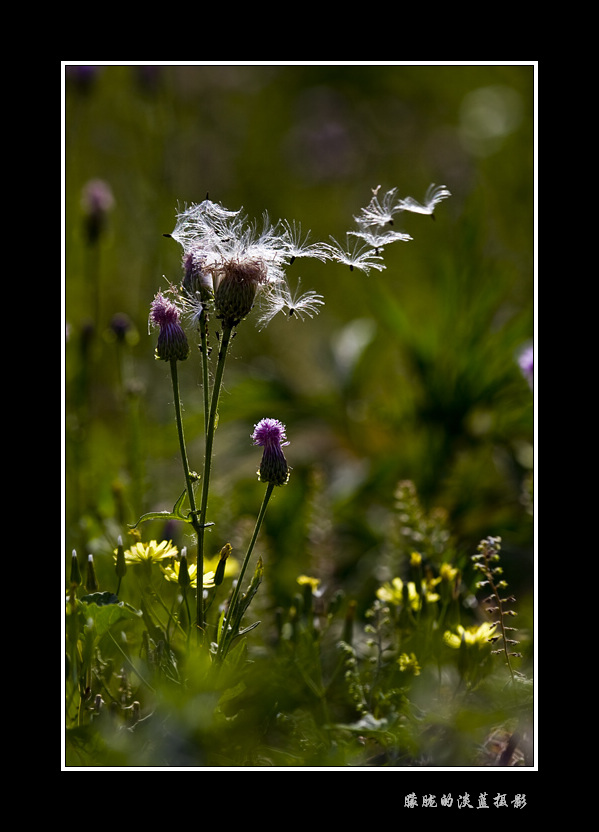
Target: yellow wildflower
[(392, 592), (171, 573), (151, 552), (472, 636), (448, 572), (409, 664), (306, 579)]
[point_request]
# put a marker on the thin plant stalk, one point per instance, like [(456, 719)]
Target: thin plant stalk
[(231, 612), (189, 483), (210, 430), (205, 376)]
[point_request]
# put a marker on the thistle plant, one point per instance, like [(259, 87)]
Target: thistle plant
[(230, 265)]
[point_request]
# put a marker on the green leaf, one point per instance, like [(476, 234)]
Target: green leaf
[(104, 614), (177, 513), (247, 629)]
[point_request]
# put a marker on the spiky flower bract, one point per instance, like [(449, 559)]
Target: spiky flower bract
[(270, 434), (238, 283), (172, 341)]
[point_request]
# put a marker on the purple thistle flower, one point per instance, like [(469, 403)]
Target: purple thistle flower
[(270, 434), (526, 362), (172, 342)]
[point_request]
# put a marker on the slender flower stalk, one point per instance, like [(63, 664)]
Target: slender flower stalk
[(196, 521), (209, 445), (486, 560), (228, 632), (274, 471), (173, 347), (203, 323), (189, 478)]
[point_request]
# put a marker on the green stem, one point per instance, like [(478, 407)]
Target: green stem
[(228, 635), (188, 613), (210, 430), (188, 479), (182, 447), (204, 351)]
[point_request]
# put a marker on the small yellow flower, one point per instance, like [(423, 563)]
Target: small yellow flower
[(151, 552), (472, 636), (393, 592), (415, 559), (448, 572), (409, 664), (171, 573), (306, 579), (429, 586)]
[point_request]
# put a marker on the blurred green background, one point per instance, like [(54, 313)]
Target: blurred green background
[(406, 374)]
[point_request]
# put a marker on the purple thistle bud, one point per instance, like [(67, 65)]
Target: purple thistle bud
[(270, 434), (196, 278), (172, 342), (96, 201), (120, 326)]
